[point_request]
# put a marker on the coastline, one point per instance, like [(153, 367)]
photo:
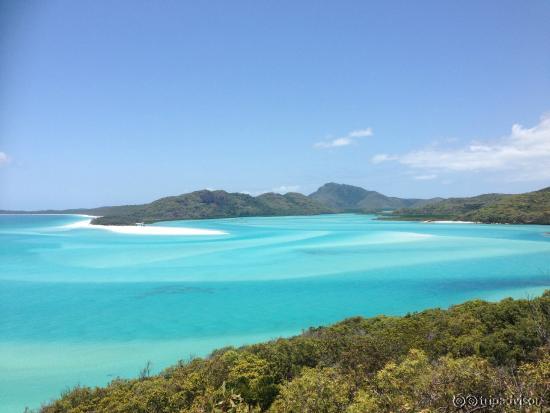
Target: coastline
[(143, 230), (450, 222)]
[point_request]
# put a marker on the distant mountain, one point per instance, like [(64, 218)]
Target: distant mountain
[(528, 208), (213, 204), (351, 198), (104, 210), (339, 196)]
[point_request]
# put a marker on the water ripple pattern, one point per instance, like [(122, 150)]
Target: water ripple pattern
[(83, 306)]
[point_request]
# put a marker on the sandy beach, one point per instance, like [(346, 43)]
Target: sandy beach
[(144, 230), (448, 222)]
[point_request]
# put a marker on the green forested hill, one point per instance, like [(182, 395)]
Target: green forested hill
[(422, 362), (339, 196), (528, 208), (329, 198), (214, 204), (451, 207), (348, 198)]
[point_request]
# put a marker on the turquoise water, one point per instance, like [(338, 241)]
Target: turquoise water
[(82, 306)]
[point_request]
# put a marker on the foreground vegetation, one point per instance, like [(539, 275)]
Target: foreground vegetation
[(422, 362)]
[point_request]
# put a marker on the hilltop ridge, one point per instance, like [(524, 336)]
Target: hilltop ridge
[(351, 198)]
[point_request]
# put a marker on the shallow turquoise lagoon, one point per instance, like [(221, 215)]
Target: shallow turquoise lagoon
[(82, 306)]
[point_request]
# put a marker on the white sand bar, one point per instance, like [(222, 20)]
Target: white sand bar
[(145, 229), (448, 222)]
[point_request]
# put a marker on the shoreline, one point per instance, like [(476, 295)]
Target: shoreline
[(450, 222), (44, 214), (142, 230)]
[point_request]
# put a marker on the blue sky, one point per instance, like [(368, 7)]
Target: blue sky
[(107, 102)]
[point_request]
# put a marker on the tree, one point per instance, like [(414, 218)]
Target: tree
[(314, 391)]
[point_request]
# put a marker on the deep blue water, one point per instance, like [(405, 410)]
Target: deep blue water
[(82, 306)]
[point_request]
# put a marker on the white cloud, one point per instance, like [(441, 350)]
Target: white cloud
[(524, 153), (425, 177), (334, 143), (283, 189), (361, 133), (4, 158), (382, 157), (350, 138)]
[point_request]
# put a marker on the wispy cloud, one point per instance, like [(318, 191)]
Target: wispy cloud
[(283, 189), (524, 154), (4, 159), (361, 133), (383, 157), (425, 177), (350, 138)]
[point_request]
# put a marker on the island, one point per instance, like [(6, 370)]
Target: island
[(331, 198)]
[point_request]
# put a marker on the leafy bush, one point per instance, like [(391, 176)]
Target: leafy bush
[(415, 363)]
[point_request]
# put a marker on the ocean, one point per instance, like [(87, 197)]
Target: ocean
[(81, 306)]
